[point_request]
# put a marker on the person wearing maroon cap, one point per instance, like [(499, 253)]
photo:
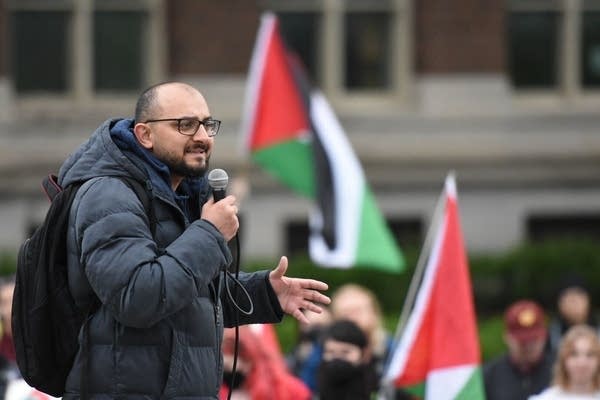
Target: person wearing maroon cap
[(526, 368)]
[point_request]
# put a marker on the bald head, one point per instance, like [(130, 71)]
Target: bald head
[(150, 101)]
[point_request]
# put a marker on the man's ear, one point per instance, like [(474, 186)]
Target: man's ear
[(143, 136)]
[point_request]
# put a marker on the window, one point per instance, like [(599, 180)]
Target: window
[(40, 38), (350, 48), (83, 47), (533, 49), (590, 50), (300, 32), (545, 227), (554, 45), (367, 50), (118, 50), (296, 234)]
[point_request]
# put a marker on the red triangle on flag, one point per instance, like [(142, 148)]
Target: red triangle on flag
[(280, 113)]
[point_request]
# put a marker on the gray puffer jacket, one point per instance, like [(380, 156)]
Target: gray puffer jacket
[(158, 330)]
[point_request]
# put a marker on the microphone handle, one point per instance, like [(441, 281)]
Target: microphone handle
[(218, 194)]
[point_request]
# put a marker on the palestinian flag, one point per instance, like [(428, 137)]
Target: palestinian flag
[(437, 356), (291, 131)]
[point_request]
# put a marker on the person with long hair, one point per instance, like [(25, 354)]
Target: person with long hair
[(577, 367), (360, 305)]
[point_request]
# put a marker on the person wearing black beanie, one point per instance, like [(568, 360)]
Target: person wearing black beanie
[(344, 372)]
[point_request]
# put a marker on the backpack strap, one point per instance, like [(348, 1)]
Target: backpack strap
[(51, 187), (144, 192)]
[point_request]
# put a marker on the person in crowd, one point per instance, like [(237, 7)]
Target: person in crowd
[(260, 372), (9, 371), (360, 305), (577, 368), (574, 307), (305, 357), (7, 346), (158, 329), (344, 371), (526, 368)]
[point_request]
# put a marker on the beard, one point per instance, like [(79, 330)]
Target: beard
[(178, 166)]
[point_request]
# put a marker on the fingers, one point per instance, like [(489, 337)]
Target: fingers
[(313, 284), (279, 272), (320, 298), (300, 316), (310, 306), (223, 215), (313, 297), (306, 306)]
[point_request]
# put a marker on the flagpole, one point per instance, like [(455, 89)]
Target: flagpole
[(420, 268), (387, 390)]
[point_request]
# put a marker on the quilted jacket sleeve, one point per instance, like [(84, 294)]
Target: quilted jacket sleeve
[(266, 307)]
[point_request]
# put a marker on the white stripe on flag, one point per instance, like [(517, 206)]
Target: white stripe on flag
[(447, 383), (349, 186)]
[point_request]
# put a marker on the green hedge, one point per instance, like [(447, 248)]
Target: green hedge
[(531, 270)]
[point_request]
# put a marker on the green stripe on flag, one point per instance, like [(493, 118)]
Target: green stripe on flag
[(416, 390), (292, 163), (376, 245), (473, 389)]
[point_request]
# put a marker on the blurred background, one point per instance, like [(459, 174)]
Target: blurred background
[(505, 93)]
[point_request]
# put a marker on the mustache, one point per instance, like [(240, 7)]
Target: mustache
[(198, 146)]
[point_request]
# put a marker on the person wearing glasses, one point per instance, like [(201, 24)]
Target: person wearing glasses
[(163, 305)]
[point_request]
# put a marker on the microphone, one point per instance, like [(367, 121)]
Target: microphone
[(218, 180)]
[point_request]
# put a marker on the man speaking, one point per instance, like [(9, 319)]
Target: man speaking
[(158, 328)]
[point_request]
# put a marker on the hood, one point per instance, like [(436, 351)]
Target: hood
[(98, 156)]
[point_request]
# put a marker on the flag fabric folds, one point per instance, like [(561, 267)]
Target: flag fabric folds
[(291, 131), (437, 356)]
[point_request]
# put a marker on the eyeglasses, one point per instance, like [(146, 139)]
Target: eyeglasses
[(189, 126)]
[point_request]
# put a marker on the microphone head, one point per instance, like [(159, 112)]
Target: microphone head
[(218, 179)]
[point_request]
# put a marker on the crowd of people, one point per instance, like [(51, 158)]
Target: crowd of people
[(341, 352), (548, 359)]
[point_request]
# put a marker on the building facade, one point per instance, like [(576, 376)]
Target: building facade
[(504, 93)]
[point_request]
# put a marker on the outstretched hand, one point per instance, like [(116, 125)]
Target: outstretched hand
[(296, 294)]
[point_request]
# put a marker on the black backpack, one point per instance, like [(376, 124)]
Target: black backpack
[(45, 319)]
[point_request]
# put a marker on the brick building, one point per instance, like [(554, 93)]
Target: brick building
[(503, 92)]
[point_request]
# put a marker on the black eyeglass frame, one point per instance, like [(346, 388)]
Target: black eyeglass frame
[(200, 122)]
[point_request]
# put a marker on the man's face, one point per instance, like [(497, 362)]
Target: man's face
[(184, 155), (574, 305), (525, 353)]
